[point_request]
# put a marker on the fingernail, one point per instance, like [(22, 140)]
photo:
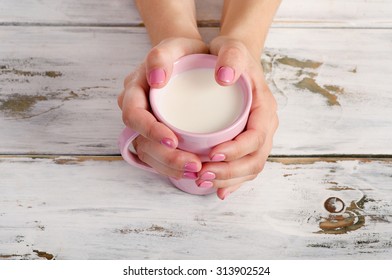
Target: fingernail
[(218, 157), (208, 176), (168, 143), (225, 74), (190, 175), (226, 195), (191, 167), (157, 76), (206, 184)]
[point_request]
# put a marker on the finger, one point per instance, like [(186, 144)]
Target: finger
[(136, 116), (160, 60), (245, 143), (132, 77), (249, 141), (120, 99), (173, 163), (262, 123), (223, 193), (250, 165), (219, 184), (231, 63)]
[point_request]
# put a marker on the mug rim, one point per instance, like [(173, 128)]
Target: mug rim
[(199, 61)]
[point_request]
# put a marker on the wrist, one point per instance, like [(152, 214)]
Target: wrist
[(253, 44), (176, 29), (248, 21), (169, 18)]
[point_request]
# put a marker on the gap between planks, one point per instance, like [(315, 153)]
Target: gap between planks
[(202, 24), (295, 159)]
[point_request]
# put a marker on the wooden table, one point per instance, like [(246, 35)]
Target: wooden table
[(65, 192)]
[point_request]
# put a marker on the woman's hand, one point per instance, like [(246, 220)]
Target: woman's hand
[(243, 158), (156, 145)]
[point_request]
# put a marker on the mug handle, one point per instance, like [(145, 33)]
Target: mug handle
[(125, 139)]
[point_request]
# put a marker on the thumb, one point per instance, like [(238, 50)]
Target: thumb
[(160, 60), (231, 62)]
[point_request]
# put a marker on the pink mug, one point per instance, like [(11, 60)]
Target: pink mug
[(198, 143)]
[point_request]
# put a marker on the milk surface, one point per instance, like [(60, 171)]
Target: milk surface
[(194, 102)]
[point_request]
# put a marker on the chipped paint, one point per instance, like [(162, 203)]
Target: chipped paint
[(20, 106), (14, 256), (267, 66), (333, 88), (299, 63), (352, 219), (51, 74), (44, 255), (337, 188), (154, 230), (64, 160), (17, 104), (313, 160), (311, 85), (300, 73)]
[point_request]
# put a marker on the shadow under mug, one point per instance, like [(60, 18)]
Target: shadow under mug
[(198, 143)]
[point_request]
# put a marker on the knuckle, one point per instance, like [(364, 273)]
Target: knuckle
[(129, 78), (257, 168), (259, 139), (226, 171), (155, 54), (171, 160), (234, 51), (126, 116), (151, 129), (174, 160), (141, 153), (236, 151)]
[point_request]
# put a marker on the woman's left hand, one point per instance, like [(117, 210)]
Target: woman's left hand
[(243, 158)]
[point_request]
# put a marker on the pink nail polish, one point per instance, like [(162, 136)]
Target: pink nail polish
[(191, 167), (190, 175), (157, 76), (218, 157), (168, 143), (225, 74), (208, 176), (226, 195), (206, 184)]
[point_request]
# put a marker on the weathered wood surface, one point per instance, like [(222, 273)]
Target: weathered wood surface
[(62, 64), (117, 212), (59, 87), (305, 13)]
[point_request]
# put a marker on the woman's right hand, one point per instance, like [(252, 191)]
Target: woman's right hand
[(156, 145)]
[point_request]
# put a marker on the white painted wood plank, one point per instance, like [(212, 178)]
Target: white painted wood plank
[(352, 13), (333, 90), (335, 13), (66, 12), (69, 208), (58, 88)]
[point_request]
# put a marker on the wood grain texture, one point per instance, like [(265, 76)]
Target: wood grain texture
[(304, 13), (89, 66), (62, 65), (78, 208), (59, 87), (332, 89)]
